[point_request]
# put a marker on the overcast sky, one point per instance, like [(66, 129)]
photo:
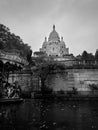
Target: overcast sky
[(32, 20)]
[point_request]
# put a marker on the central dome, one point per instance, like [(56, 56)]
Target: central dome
[(54, 36)]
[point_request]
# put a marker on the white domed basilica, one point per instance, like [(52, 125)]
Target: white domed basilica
[(54, 46)]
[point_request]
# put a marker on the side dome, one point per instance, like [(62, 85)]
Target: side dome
[(62, 43), (45, 42), (54, 36)]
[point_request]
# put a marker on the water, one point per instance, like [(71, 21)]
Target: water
[(49, 115)]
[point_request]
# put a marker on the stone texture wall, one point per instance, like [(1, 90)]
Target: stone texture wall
[(78, 78), (27, 81), (84, 77)]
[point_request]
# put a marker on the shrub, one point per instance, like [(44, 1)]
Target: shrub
[(93, 86), (61, 92), (46, 90)]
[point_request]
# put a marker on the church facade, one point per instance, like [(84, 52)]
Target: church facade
[(54, 46)]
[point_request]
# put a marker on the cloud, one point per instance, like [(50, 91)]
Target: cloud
[(75, 20), (29, 8)]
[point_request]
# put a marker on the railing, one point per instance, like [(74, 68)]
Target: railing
[(12, 57), (80, 64)]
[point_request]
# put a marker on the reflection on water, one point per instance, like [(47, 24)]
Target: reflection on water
[(47, 115)]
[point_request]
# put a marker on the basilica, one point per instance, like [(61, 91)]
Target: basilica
[(54, 45), (55, 48)]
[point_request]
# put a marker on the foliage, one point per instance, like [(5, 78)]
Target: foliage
[(11, 43), (47, 90), (96, 55), (29, 58), (72, 92), (87, 59), (46, 68), (87, 56), (84, 55), (61, 92), (93, 86)]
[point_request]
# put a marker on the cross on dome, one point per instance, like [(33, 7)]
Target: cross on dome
[(53, 27)]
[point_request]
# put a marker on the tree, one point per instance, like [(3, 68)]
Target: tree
[(96, 55), (46, 68), (84, 55), (10, 42), (29, 59), (90, 56)]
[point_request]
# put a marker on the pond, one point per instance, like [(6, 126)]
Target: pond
[(34, 114)]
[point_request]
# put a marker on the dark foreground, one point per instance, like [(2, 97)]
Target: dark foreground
[(49, 115)]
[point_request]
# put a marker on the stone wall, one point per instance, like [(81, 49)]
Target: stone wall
[(78, 78), (85, 77), (27, 81)]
